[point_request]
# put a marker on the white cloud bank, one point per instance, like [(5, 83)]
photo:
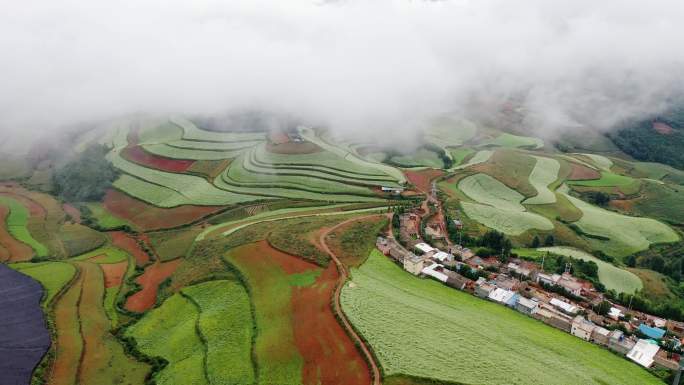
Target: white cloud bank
[(377, 66)]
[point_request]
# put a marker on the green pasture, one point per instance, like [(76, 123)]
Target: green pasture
[(545, 172)]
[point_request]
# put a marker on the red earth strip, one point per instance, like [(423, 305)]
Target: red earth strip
[(423, 179), (16, 251), (149, 281), (138, 155), (130, 244)]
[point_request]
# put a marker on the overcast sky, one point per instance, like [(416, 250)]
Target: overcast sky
[(376, 65)]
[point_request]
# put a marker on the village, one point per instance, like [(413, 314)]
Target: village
[(561, 300)]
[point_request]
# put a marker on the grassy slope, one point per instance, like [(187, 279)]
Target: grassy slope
[(420, 327)]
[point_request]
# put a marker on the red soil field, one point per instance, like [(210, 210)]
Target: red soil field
[(16, 251), (73, 212), (149, 217), (329, 355), (138, 155), (278, 137), (624, 205), (663, 128), (422, 179), (130, 244), (68, 344), (579, 172), (113, 272), (290, 264), (150, 280)]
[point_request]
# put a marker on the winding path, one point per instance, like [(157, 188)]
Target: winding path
[(344, 274)]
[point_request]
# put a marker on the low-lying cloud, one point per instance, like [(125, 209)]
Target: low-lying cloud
[(361, 66)]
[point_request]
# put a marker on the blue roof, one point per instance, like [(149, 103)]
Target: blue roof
[(651, 332)]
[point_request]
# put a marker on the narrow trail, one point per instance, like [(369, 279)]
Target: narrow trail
[(344, 274)]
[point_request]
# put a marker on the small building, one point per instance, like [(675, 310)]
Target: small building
[(443, 257), (615, 313), (582, 328), (414, 264), (526, 306), (570, 285), (501, 295), (483, 290), (505, 282), (383, 245), (565, 307), (643, 352), (424, 248), (675, 327), (600, 335), (435, 271), (656, 321), (651, 332), (521, 270), (392, 190), (548, 279), (456, 280), (553, 318), (661, 359), (617, 342)]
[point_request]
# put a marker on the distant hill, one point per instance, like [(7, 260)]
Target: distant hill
[(659, 139)]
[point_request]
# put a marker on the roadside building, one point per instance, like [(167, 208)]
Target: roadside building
[(443, 257), (526, 306), (521, 269), (656, 321), (617, 342), (643, 352), (548, 279), (383, 245), (456, 280), (582, 328), (503, 296), (483, 290), (506, 282), (414, 264), (565, 307), (435, 271), (570, 284), (661, 359), (651, 332), (675, 327), (600, 335), (554, 318), (615, 313), (424, 248)]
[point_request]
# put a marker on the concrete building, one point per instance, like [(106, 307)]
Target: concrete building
[(565, 307), (554, 318), (457, 281), (570, 285), (424, 248), (443, 257), (483, 290), (643, 352), (582, 328), (503, 296), (414, 264), (617, 342), (435, 271), (527, 306), (600, 335)]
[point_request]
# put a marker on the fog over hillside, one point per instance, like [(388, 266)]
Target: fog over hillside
[(360, 66)]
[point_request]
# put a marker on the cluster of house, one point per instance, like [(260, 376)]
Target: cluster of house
[(518, 285)]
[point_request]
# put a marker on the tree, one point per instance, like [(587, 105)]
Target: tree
[(630, 261), (87, 177), (603, 308), (549, 240), (535, 242)]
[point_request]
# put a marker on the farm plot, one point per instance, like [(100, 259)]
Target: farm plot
[(149, 281), (617, 234), (599, 161), (545, 172), (347, 154), (420, 158), (10, 248), (225, 323), (169, 151), (514, 141), (495, 345), (24, 338), (661, 201), (191, 132), (139, 155), (479, 157), (170, 332), (16, 223), (610, 275), (148, 217), (86, 351), (449, 132), (166, 189), (52, 275), (607, 179)]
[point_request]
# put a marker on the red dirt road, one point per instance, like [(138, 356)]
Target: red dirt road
[(343, 276)]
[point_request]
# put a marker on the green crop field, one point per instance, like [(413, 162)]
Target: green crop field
[(626, 234), (599, 161), (459, 154), (449, 132), (420, 158), (165, 150), (658, 171), (170, 332), (191, 132), (608, 179), (661, 201), (103, 218), (16, 225), (545, 172), (421, 328), (514, 141), (52, 275), (479, 157), (610, 275), (498, 206), (225, 322)]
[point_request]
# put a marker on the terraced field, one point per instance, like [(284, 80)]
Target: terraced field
[(449, 132), (626, 235), (16, 223), (545, 172), (388, 307), (610, 275), (498, 206), (514, 141)]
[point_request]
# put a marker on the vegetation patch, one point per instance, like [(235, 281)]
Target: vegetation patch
[(16, 223), (545, 172), (397, 313), (514, 141)]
